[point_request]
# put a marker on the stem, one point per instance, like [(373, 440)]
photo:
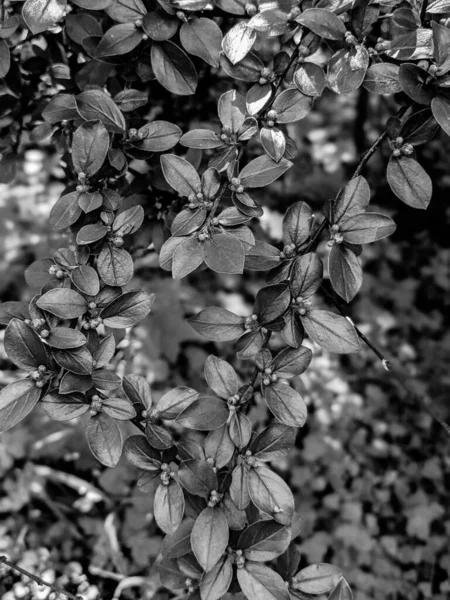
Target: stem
[(38, 580), (423, 11)]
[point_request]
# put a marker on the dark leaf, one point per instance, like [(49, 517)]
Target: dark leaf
[(65, 212), (224, 253), (64, 337), (64, 407), (271, 494), (218, 324), (345, 271), (209, 537), (198, 477), (286, 404), (127, 310), (317, 579), (273, 443), (173, 68), (95, 105), (258, 582), (216, 582), (264, 540), (169, 506), (202, 37), (115, 265), (17, 400), (24, 347), (331, 331), (104, 439), (409, 181), (63, 303), (89, 147), (205, 414), (76, 360), (323, 23)]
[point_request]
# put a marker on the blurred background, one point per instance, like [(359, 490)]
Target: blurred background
[(371, 469)]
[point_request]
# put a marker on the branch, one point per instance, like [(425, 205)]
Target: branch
[(423, 11), (38, 580)]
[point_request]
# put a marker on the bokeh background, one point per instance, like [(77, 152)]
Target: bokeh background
[(371, 469)]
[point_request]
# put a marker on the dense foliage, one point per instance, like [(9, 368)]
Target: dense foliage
[(96, 76)]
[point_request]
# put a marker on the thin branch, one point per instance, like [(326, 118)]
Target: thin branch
[(423, 11), (38, 580)]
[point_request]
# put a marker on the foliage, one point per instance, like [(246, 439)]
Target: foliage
[(110, 67)]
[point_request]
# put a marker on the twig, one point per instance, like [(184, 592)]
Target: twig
[(38, 580)]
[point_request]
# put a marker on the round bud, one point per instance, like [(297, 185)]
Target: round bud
[(266, 72), (59, 274), (81, 177), (240, 189), (95, 398), (118, 241), (132, 133), (45, 333), (35, 375), (407, 149), (399, 141), (274, 377), (223, 137), (215, 221), (267, 370), (272, 114), (86, 325), (144, 37), (53, 270), (262, 81), (80, 188), (254, 317), (270, 123), (199, 196), (432, 69), (251, 9), (396, 152), (138, 23), (42, 369), (92, 305), (266, 381), (202, 237), (40, 384)]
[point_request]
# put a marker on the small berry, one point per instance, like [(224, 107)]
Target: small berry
[(45, 333), (42, 369), (407, 149), (272, 115), (215, 221), (35, 375), (92, 305), (396, 152), (240, 189), (138, 23), (40, 384), (199, 196), (262, 81), (59, 274), (118, 241), (223, 137), (53, 270)]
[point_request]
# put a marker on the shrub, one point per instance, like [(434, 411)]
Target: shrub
[(105, 80)]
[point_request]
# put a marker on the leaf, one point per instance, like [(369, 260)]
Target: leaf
[(128, 221), (231, 108), (63, 303), (382, 78), (64, 337), (263, 170), (419, 128), (188, 221), (180, 174), (40, 15), (414, 82), (297, 224), (60, 108), (179, 542), (24, 347), (159, 25), (270, 494), (440, 105), (224, 253), (202, 37), (11, 309), (187, 257), (158, 136), (291, 106), (203, 139), (198, 477), (218, 324), (274, 442), (221, 377), (119, 39), (169, 506), (306, 275), (219, 447), (341, 592), (89, 147), (89, 234), (366, 228), (317, 579), (65, 212), (139, 453), (95, 105), (323, 23), (85, 278), (347, 69), (352, 200), (209, 537), (258, 582), (273, 142), (173, 68), (310, 79), (174, 402), (128, 99), (71, 383), (126, 11), (105, 379), (17, 400), (331, 331), (286, 404), (205, 414), (271, 302), (216, 582), (438, 7), (115, 265), (291, 362), (5, 58), (120, 409), (75, 360), (240, 429), (63, 407), (127, 310), (345, 271), (412, 45), (105, 351), (238, 42), (257, 98), (104, 439), (409, 181), (264, 540)]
